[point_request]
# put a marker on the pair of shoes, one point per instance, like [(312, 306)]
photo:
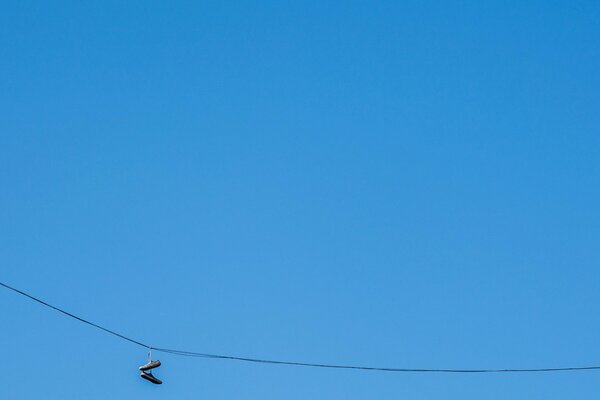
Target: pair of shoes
[(147, 373), (149, 377)]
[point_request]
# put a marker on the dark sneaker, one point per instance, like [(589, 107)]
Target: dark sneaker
[(149, 377), (150, 365)]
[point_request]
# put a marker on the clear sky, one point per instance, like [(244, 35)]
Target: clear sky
[(399, 184)]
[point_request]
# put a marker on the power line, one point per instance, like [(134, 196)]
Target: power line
[(75, 316), (294, 363), (337, 366)]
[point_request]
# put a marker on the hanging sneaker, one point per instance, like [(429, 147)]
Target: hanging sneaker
[(150, 365), (149, 377)]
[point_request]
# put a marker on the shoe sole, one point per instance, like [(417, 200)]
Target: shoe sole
[(151, 378)]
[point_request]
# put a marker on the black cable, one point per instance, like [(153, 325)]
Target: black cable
[(337, 366), (76, 317), (279, 362)]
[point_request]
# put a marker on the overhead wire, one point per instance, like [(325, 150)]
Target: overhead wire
[(184, 353), (75, 316), (364, 368)]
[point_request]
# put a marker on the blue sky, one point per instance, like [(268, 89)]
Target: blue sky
[(397, 184)]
